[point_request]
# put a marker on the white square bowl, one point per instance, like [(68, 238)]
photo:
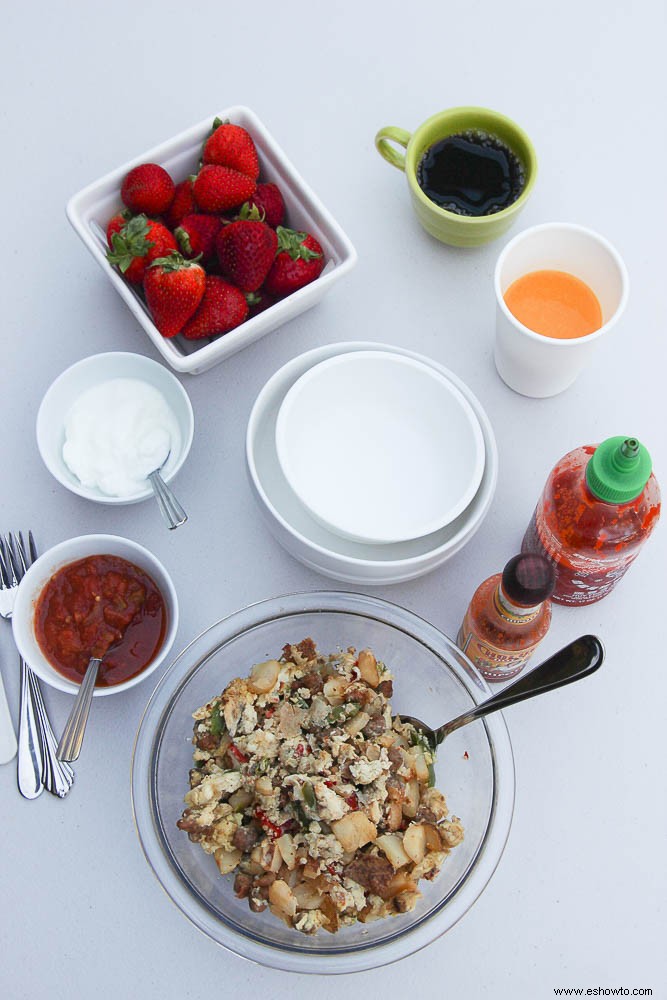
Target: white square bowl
[(91, 208)]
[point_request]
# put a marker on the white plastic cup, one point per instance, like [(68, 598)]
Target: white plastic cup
[(528, 362)]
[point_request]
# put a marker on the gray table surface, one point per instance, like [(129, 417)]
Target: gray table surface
[(578, 899)]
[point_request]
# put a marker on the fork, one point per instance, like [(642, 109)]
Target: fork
[(38, 764)]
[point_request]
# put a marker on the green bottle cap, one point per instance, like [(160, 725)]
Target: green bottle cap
[(618, 470)]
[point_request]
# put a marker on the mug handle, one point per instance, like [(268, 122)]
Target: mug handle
[(390, 154)]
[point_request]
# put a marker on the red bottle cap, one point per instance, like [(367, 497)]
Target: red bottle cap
[(528, 579)]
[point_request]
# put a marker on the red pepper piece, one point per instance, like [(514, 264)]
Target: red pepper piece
[(330, 784), (352, 801), (270, 827), (235, 752)]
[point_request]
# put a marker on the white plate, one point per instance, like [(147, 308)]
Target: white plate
[(322, 550), (379, 447)]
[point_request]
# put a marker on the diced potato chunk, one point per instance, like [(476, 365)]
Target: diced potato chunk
[(287, 848), (391, 844), (282, 898), (368, 668), (414, 842), (334, 689), (421, 767), (354, 830), (400, 883), (307, 896), (356, 723), (240, 799), (433, 842), (227, 860), (263, 785), (411, 800), (394, 816), (263, 676)]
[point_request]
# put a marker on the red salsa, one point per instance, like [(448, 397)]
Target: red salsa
[(94, 604)]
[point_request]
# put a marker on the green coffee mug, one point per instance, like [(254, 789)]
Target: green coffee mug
[(448, 227)]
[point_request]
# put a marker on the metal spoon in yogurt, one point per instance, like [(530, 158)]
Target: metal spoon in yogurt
[(171, 510)]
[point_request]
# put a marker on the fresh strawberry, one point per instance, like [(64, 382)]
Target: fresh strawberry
[(183, 204), (269, 202), (174, 288), (246, 250), (217, 189), (136, 243), (299, 261), (116, 223), (196, 236), (258, 301), (231, 146), (222, 308), (148, 188)]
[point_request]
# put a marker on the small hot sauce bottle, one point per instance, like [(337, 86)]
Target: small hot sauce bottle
[(598, 507), (508, 617)]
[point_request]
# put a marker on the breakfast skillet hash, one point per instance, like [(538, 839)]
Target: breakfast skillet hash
[(307, 787)]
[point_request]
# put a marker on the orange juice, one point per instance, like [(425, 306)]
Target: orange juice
[(555, 304)]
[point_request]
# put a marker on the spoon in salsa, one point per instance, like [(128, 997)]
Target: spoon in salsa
[(71, 740)]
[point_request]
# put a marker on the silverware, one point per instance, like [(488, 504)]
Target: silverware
[(38, 766), (578, 659), (170, 508), (71, 740), (7, 734)]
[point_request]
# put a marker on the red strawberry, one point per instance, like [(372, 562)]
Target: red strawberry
[(246, 250), (258, 302), (183, 204), (174, 288), (217, 189), (222, 308), (231, 146), (196, 236), (136, 243), (148, 188), (269, 202), (299, 261), (116, 223)]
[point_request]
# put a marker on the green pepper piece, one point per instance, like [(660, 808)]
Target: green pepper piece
[(217, 724), (309, 795), (300, 814)]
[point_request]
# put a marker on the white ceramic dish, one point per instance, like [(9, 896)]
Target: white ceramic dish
[(379, 447), (87, 373), (322, 550), (90, 210), (70, 551)]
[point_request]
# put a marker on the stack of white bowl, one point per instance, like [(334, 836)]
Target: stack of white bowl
[(370, 464)]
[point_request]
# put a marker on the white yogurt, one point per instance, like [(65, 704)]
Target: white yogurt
[(118, 432)]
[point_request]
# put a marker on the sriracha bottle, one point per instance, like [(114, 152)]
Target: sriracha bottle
[(508, 617), (598, 507)]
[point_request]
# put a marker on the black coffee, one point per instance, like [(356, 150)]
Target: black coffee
[(471, 173)]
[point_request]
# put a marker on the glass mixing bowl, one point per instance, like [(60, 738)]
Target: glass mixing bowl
[(433, 681)]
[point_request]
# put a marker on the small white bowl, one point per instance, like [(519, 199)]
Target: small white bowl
[(379, 447), (90, 210), (90, 372), (322, 550), (71, 551)]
